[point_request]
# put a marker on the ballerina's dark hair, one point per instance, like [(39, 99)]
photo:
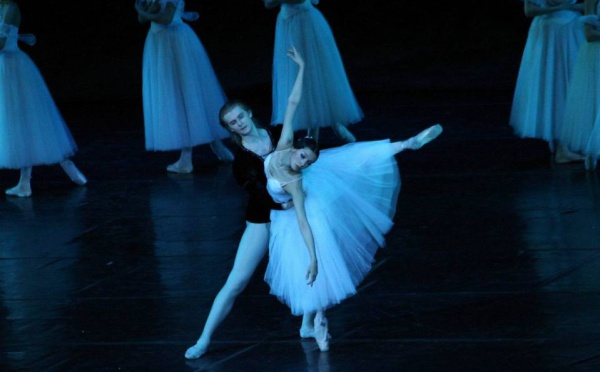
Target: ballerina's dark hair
[(307, 142), (228, 106)]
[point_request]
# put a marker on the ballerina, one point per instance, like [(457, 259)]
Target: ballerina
[(344, 203), (330, 100), (181, 93), (32, 130), (547, 66)]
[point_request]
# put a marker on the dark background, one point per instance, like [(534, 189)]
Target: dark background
[(91, 51)]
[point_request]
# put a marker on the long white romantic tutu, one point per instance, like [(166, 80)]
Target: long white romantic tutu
[(32, 130), (181, 93), (327, 97), (583, 99), (546, 67), (351, 194)]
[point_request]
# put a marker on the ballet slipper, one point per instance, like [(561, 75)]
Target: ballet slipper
[(195, 352), (306, 332), (74, 174), (221, 151), (177, 167), (321, 335), (424, 137), (21, 191)]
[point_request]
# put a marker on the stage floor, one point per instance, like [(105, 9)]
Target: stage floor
[(492, 264)]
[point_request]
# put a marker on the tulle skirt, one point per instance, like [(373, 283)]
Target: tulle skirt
[(32, 130), (547, 64), (327, 96), (181, 93), (583, 99), (351, 194)]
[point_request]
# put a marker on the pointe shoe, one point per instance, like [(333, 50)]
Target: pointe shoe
[(178, 168), (222, 152), (424, 137), (321, 335), (306, 332), (74, 174), (195, 352), (20, 191)]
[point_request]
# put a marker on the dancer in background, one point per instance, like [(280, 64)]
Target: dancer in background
[(582, 105), (592, 97), (344, 203), (329, 98), (547, 65), (32, 130), (181, 93)]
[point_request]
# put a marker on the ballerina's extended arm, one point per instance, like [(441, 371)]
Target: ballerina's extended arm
[(287, 132), (295, 188)]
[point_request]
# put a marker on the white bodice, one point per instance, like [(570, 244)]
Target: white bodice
[(274, 187)]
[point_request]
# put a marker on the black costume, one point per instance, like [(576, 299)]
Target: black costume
[(249, 172)]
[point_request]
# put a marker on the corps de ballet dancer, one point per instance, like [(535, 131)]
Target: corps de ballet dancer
[(32, 130), (330, 101), (181, 93), (547, 66)]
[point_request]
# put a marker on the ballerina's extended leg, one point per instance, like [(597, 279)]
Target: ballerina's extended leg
[(418, 141)]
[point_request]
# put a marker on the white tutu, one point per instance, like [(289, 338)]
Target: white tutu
[(327, 97), (182, 96), (582, 99), (351, 194), (547, 64), (32, 130)]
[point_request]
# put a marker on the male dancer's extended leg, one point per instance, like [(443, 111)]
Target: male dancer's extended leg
[(252, 248)]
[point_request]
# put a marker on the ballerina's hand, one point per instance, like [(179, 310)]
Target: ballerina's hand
[(311, 273), (295, 56)]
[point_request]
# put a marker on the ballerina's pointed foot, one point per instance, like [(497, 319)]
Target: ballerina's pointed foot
[(195, 352), (19, 191), (74, 174), (424, 137), (179, 168), (321, 333)]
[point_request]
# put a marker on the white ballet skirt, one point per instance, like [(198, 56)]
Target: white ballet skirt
[(546, 67), (582, 100), (351, 194), (181, 94), (327, 98), (32, 130)]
